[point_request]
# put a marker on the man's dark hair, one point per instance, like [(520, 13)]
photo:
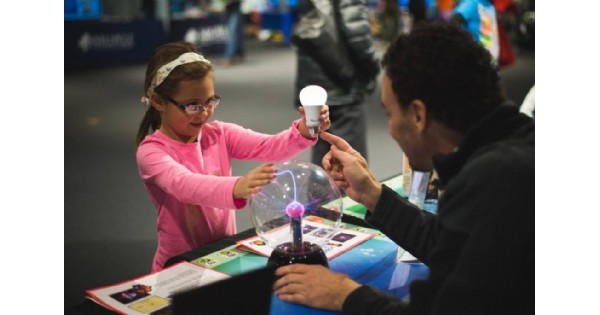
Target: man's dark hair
[(450, 72)]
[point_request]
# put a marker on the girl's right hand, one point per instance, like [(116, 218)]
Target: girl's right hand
[(324, 121), (250, 184)]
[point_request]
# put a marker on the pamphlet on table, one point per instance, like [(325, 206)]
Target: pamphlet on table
[(312, 232), (151, 294)]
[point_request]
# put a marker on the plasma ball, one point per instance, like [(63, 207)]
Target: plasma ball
[(294, 209)]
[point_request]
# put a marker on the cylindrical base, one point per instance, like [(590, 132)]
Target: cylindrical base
[(286, 254)]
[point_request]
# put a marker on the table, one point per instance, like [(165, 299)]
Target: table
[(372, 262)]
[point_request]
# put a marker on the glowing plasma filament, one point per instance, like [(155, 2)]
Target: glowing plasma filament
[(293, 209), (293, 181)]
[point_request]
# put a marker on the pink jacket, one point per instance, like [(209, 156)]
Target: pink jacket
[(191, 184)]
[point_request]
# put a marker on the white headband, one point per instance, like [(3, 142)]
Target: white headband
[(163, 72)]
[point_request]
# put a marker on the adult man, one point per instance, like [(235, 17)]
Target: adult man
[(445, 110)]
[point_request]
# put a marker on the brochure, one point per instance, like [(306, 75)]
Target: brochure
[(313, 232), (151, 294)]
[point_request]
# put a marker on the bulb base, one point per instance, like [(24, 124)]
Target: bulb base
[(287, 254), (313, 131)]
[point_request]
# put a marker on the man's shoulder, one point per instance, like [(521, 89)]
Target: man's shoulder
[(497, 179), (520, 145), (504, 158), (491, 168)]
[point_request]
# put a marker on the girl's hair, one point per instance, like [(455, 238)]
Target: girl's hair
[(189, 71)]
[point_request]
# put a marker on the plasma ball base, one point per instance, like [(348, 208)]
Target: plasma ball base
[(286, 254)]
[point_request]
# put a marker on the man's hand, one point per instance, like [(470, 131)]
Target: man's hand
[(314, 286), (351, 172)]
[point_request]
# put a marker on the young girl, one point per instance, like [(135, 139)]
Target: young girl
[(185, 162)]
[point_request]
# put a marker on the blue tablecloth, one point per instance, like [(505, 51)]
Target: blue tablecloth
[(372, 262)]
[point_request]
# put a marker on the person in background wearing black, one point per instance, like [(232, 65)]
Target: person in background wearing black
[(447, 113), (343, 61), (418, 11)]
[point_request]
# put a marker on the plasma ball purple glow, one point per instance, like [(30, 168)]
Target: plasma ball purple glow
[(294, 209)]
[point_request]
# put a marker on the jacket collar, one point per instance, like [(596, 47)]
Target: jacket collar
[(502, 123)]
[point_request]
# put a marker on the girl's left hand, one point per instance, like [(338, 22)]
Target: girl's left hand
[(250, 184), (324, 121)]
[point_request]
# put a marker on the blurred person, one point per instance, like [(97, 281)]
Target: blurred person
[(480, 247), (342, 60), (528, 105), (418, 11), (505, 10), (234, 47), (390, 20), (185, 161), (444, 9), (478, 17)]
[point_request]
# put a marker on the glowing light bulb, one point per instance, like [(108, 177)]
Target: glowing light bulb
[(312, 98), (313, 95)]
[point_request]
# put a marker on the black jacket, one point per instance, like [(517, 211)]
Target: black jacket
[(480, 246), (346, 65)]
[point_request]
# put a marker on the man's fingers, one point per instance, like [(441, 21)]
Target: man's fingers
[(293, 268), (291, 288), (337, 175), (293, 298), (341, 184), (336, 141), (342, 155)]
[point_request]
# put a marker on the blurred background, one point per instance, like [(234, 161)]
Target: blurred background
[(109, 221)]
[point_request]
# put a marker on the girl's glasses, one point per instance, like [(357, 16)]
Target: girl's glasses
[(194, 107)]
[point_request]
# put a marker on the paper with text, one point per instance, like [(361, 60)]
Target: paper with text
[(151, 294), (342, 241)]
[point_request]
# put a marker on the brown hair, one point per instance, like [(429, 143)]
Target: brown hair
[(443, 66), (189, 71)]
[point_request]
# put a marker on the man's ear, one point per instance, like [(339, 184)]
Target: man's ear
[(157, 102), (420, 114)]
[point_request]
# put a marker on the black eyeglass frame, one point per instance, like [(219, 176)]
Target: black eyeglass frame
[(196, 107)]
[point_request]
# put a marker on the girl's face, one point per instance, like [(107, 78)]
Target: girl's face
[(176, 122)]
